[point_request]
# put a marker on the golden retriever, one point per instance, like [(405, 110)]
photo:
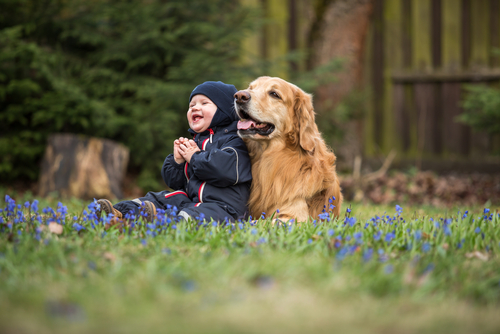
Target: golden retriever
[(293, 170)]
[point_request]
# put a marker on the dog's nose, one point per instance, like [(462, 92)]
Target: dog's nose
[(242, 97)]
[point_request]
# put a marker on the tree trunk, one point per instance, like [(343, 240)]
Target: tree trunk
[(83, 167)]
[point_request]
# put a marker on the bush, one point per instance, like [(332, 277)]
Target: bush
[(482, 109), (114, 69)]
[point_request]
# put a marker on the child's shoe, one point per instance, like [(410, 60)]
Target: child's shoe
[(150, 209), (106, 206)]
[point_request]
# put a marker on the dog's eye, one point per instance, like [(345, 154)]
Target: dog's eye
[(275, 95)]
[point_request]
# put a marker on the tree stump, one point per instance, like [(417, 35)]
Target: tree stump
[(83, 167)]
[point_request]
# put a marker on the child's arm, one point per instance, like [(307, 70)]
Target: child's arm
[(224, 167), (173, 168), (187, 149), (177, 153)]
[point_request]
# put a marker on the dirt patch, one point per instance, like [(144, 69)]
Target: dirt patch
[(425, 188)]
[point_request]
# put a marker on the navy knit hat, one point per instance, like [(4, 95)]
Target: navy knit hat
[(223, 96)]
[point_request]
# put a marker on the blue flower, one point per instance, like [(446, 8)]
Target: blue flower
[(78, 227), (324, 215), (477, 230), (399, 209), (144, 242), (26, 204), (389, 236), (367, 254), (418, 235), (309, 241), (426, 247), (377, 236), (429, 268), (348, 210), (254, 231), (486, 211), (350, 221)]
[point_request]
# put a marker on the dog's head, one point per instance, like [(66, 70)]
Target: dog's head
[(272, 108)]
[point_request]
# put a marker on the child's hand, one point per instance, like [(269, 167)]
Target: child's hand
[(177, 152), (187, 149)]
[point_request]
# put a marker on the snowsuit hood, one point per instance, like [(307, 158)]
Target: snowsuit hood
[(223, 96)]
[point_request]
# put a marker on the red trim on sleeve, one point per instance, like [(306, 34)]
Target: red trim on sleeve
[(200, 192), (173, 193), (186, 171), (204, 145)]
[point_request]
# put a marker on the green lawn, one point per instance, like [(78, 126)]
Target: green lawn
[(401, 273)]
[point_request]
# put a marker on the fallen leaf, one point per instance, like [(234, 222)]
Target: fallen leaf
[(478, 255), (109, 256), (55, 228)]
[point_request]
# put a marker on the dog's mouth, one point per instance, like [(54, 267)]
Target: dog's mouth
[(249, 126)]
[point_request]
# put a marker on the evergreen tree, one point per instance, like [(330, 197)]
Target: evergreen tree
[(110, 68)]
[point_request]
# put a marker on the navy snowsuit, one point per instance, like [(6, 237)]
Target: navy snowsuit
[(217, 180)]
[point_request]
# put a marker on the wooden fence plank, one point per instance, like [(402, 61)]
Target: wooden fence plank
[(451, 30), (421, 37), (480, 50), (401, 117), (494, 31), (455, 135), (425, 106), (393, 51), (378, 74), (480, 43)]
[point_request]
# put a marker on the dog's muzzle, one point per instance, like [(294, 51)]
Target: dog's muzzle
[(249, 126)]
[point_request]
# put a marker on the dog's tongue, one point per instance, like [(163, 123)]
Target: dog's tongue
[(243, 125)]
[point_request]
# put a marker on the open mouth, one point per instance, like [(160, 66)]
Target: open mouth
[(196, 118), (250, 126)]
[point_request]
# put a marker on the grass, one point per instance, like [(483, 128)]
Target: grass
[(376, 269)]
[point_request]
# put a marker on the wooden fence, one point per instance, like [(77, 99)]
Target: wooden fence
[(420, 53)]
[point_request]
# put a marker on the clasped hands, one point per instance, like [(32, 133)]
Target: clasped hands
[(184, 149)]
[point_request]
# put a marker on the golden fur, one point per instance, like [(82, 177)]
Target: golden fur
[(293, 170)]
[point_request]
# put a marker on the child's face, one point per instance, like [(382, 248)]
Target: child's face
[(200, 113)]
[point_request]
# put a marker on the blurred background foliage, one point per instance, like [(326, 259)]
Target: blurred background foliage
[(116, 69), (482, 109)]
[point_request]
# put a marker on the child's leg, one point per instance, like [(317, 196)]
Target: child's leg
[(209, 211), (164, 200)]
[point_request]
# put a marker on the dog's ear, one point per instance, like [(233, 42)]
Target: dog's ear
[(308, 131)]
